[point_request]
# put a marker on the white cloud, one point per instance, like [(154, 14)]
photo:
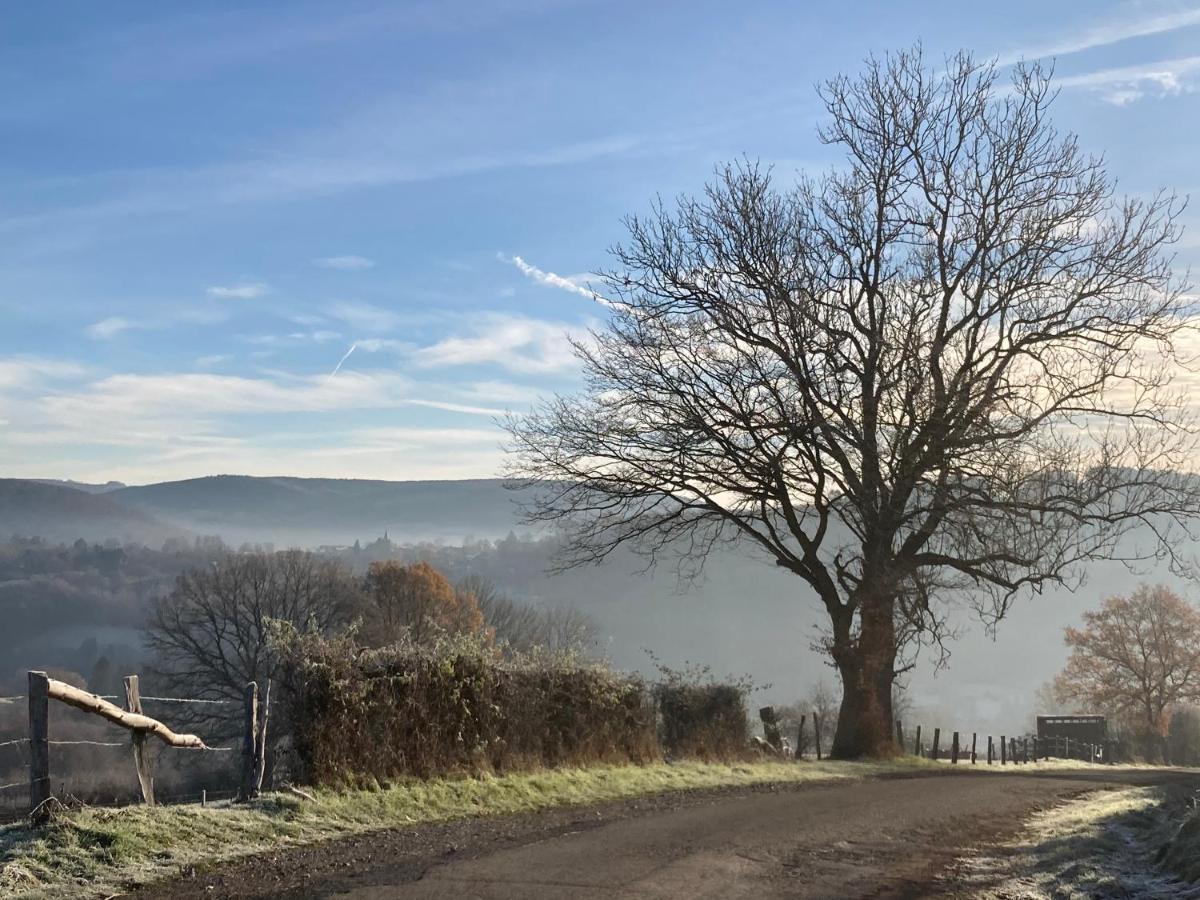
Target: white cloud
[(243, 291), (212, 359), (110, 328), (1108, 33), (345, 263), (1128, 84), (24, 371), (366, 317), (514, 342)]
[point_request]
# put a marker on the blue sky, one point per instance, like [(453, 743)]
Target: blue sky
[(203, 207)]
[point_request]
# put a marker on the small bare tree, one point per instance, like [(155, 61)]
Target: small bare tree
[(523, 626), (212, 634), (944, 370)]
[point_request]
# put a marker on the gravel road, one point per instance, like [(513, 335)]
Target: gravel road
[(878, 838)]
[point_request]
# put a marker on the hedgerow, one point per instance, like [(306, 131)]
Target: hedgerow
[(456, 706)]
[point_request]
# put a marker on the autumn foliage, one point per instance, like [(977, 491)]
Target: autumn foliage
[(418, 602), (1136, 657)]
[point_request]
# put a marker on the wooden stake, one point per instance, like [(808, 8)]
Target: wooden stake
[(141, 762), (900, 735), (249, 743), (817, 732), (800, 738), (39, 747), (974, 741), (937, 740), (990, 754), (954, 749), (1003, 750), (917, 743), (260, 745)]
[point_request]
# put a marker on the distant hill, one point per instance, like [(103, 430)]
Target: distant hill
[(314, 511), (82, 485), (60, 513)]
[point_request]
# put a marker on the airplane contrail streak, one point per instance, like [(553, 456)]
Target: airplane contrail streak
[(341, 362)]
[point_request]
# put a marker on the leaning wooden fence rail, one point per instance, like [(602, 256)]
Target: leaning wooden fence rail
[(43, 689)]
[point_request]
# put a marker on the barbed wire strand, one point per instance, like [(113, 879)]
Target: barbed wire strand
[(189, 700), (88, 743), (14, 743), (152, 699), (5, 787)]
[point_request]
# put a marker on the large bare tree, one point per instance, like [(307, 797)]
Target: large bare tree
[(940, 372)]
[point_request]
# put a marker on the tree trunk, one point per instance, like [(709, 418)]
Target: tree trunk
[(867, 667)]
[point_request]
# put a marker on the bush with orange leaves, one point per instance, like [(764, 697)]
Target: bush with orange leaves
[(416, 601)]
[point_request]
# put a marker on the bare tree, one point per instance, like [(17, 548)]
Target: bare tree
[(1136, 657), (523, 626), (942, 371), (211, 634)]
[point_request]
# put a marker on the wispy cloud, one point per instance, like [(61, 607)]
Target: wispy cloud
[(244, 291), (109, 328), (513, 342), (1137, 25), (1128, 84), (366, 317), (345, 263)]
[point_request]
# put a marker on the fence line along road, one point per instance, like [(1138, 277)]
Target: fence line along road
[(43, 689)]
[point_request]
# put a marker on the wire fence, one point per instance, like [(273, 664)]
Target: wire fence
[(79, 777)]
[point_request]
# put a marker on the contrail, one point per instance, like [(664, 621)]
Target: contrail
[(341, 361)]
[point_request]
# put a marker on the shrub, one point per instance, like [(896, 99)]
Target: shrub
[(453, 706)]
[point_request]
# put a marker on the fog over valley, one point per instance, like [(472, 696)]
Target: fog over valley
[(72, 604)]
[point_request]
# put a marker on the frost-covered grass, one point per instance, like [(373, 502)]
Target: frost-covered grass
[(99, 852), (1102, 845)]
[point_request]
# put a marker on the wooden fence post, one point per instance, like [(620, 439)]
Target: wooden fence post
[(260, 747), (141, 761), (954, 749), (974, 741), (770, 726), (1012, 750), (1003, 750), (800, 738), (817, 732), (1025, 751), (39, 747), (937, 740), (249, 742), (900, 735), (917, 743), (990, 755)]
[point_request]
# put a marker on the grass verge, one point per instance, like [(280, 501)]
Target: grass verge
[(96, 852)]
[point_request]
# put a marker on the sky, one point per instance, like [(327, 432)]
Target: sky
[(341, 239)]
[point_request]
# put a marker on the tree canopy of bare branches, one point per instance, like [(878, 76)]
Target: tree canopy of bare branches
[(212, 634), (1136, 657), (942, 370)]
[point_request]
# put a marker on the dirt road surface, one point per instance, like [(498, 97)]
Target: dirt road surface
[(885, 838)]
